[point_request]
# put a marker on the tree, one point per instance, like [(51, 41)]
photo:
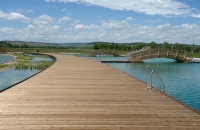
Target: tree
[(186, 48), (152, 44), (139, 46), (8, 45), (24, 45), (95, 46), (165, 45)]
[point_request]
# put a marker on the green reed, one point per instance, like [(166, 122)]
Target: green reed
[(40, 65), (23, 62), (22, 56)]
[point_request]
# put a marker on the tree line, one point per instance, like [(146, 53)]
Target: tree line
[(24, 45), (165, 45)]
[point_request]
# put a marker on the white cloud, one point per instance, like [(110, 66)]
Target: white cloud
[(75, 22), (64, 19), (155, 21), (14, 16), (196, 15), (20, 10), (30, 26), (29, 11), (63, 9), (56, 27), (112, 31), (150, 7), (163, 27), (43, 20), (129, 18), (82, 27), (115, 25)]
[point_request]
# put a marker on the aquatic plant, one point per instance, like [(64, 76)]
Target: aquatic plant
[(33, 65), (5, 66), (22, 56), (23, 61)]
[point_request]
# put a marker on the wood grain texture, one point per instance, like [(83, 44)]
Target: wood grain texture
[(79, 94)]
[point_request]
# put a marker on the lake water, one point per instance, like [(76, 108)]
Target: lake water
[(5, 58), (13, 76), (41, 59), (182, 80)]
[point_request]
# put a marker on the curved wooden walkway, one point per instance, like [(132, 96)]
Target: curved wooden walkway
[(77, 94)]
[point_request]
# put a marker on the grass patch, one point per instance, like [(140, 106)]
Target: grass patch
[(34, 65), (6, 66), (22, 56), (23, 62), (197, 55)]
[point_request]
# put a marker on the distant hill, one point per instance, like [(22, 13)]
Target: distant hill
[(68, 44), (133, 43), (29, 43), (90, 44)]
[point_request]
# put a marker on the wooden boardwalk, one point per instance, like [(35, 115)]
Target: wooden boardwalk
[(77, 94)]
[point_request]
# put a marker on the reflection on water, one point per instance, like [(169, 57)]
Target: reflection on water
[(181, 79), (41, 59), (5, 58), (12, 76), (24, 70)]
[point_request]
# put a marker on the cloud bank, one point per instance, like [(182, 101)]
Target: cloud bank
[(112, 31), (14, 16), (149, 7)]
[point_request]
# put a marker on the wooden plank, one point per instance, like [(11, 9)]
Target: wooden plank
[(77, 93)]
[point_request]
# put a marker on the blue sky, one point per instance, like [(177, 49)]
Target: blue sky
[(61, 21)]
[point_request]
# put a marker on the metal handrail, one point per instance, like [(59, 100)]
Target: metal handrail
[(158, 80), (157, 77), (98, 58), (147, 75)]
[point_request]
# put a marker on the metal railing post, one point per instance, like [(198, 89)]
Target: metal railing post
[(147, 74), (157, 78)]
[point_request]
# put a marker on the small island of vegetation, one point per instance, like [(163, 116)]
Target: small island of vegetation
[(24, 61)]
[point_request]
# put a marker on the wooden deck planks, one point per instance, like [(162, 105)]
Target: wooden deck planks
[(77, 93)]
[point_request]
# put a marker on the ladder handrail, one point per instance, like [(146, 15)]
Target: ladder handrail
[(157, 77), (158, 80), (147, 74)]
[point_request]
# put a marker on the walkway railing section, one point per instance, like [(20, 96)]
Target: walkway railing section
[(158, 79)]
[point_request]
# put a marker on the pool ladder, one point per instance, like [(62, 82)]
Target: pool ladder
[(155, 73)]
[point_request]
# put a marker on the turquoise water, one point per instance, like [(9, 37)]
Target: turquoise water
[(100, 57), (182, 80), (108, 58), (5, 58)]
